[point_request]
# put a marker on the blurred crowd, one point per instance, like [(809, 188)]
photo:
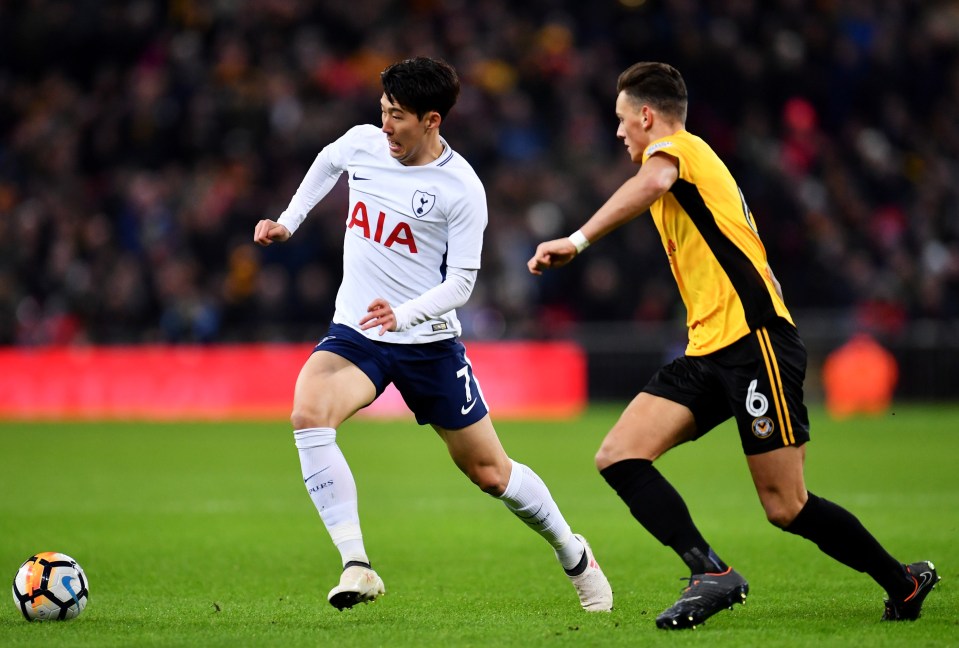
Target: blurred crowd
[(141, 140)]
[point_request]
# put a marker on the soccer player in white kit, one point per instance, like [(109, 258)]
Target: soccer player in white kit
[(411, 252)]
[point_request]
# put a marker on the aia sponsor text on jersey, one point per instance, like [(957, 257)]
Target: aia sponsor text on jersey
[(399, 233)]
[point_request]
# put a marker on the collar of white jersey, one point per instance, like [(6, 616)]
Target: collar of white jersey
[(445, 155)]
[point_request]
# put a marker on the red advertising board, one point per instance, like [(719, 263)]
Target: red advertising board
[(519, 380)]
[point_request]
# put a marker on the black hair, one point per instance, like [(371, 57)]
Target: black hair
[(658, 84), (421, 84)]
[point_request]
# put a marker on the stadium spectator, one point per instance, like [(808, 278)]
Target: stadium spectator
[(143, 139)]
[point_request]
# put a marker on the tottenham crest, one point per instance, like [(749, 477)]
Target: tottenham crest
[(763, 427), (422, 203)]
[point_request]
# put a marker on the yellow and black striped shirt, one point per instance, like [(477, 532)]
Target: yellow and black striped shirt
[(713, 247)]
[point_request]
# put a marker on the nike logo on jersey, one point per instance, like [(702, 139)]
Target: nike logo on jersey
[(356, 177), (466, 410)]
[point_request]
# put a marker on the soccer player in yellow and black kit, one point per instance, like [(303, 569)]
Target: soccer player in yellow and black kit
[(744, 360)]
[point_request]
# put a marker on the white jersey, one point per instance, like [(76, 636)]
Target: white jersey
[(404, 226)]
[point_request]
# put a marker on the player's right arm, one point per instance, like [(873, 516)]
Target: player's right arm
[(268, 232), (634, 197), (319, 180)]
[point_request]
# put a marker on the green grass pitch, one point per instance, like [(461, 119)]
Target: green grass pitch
[(201, 534)]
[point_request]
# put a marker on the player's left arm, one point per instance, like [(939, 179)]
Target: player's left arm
[(634, 197), (452, 293)]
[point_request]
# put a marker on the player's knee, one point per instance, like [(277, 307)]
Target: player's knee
[(489, 479), (311, 417), (302, 420), (782, 499), (776, 519), (605, 457), (611, 452), (782, 514), (495, 490)]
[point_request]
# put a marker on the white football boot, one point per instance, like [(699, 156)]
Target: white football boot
[(358, 584), (595, 594)]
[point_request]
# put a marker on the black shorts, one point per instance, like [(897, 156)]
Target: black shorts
[(758, 379)]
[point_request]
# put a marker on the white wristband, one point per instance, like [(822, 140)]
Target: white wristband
[(579, 240)]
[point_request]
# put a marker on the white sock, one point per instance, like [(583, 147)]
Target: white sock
[(528, 498), (330, 485)]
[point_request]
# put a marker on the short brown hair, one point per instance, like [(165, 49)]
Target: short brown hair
[(658, 84)]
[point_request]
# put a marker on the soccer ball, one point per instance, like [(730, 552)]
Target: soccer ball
[(50, 586)]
